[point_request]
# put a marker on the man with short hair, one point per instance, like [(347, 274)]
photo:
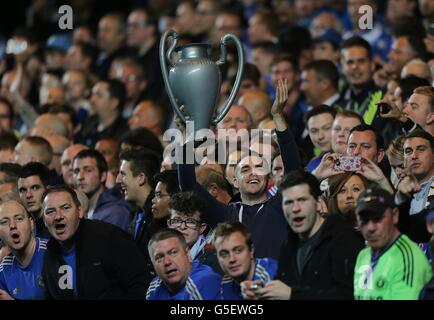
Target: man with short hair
[(420, 108), (358, 67), (318, 258), (66, 162), (90, 174), (20, 270), (186, 216), (111, 41), (148, 114), (416, 185), (136, 174), (344, 121), (256, 209), (319, 121), (32, 181), (392, 266), (178, 277), (87, 259), (142, 34), (108, 98), (33, 149), (235, 252), (319, 83)]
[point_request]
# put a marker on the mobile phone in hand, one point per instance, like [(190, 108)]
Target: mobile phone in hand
[(383, 107), (348, 163)]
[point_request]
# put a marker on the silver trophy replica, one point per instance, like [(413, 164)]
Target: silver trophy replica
[(194, 81)]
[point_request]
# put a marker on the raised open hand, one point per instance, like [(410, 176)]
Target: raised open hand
[(281, 97)]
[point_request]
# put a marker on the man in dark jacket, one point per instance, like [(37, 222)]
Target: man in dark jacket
[(87, 259), (136, 172), (256, 210), (318, 259), (90, 173)]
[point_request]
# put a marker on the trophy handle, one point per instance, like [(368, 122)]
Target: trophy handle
[(166, 58), (240, 71)]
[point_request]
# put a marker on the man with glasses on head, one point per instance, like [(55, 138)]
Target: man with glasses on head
[(392, 266), (186, 216)]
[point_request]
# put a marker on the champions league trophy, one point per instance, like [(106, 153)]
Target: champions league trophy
[(194, 81)]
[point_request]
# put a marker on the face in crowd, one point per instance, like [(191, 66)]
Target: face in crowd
[(61, 216), (172, 262), (235, 256), (301, 210), (16, 226)]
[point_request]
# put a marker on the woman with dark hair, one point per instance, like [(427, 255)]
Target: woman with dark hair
[(344, 190)]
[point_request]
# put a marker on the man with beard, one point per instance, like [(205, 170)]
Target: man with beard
[(87, 259), (20, 270)]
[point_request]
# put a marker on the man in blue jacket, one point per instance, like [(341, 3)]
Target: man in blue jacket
[(90, 173), (179, 278)]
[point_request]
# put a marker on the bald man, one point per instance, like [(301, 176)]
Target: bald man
[(48, 124), (418, 68), (33, 149), (148, 115), (66, 162), (59, 144), (258, 104)]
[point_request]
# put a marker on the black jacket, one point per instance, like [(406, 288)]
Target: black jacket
[(329, 269), (108, 264), (147, 228)]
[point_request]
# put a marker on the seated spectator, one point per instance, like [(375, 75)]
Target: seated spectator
[(186, 216), (319, 121), (235, 252), (395, 155), (8, 141), (178, 277), (108, 98), (420, 108), (215, 183), (90, 174), (33, 149), (20, 271), (392, 266), (66, 159), (33, 180), (344, 121), (78, 243), (414, 188), (344, 190), (318, 258), (136, 179)]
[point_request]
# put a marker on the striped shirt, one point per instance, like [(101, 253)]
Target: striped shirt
[(265, 271), (202, 284), (400, 272), (24, 283)]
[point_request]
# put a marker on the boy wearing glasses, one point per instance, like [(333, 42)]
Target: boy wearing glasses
[(186, 210)]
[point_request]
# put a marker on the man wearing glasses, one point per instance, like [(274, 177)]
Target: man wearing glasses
[(186, 216)]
